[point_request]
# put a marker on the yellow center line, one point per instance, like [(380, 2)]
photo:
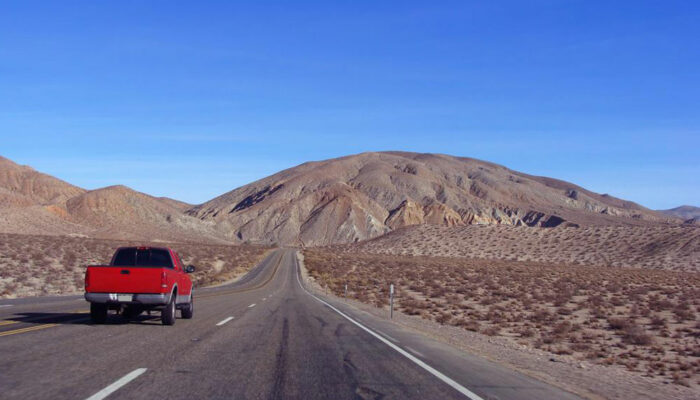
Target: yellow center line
[(29, 321), (29, 329), (269, 278)]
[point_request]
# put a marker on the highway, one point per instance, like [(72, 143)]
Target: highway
[(262, 337)]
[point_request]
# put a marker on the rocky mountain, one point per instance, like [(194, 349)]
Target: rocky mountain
[(341, 200), (23, 186), (36, 203), (362, 196), (689, 214), (118, 212)]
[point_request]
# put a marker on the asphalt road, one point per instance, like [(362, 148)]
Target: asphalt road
[(263, 337)]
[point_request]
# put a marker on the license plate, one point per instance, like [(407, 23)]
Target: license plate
[(125, 297)]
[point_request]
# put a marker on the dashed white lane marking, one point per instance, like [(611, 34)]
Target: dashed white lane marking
[(224, 321), (446, 379), (118, 384), (252, 305), (5, 305), (416, 352)]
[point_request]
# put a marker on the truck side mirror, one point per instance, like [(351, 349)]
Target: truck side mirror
[(189, 269)]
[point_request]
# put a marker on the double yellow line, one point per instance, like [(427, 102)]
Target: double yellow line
[(258, 286), (30, 328)]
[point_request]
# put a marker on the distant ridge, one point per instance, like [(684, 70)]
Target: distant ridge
[(35, 203), (690, 214), (342, 200), (23, 186)]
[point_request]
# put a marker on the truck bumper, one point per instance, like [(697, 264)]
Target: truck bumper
[(139, 298)]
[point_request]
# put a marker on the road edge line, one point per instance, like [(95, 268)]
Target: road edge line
[(444, 378)]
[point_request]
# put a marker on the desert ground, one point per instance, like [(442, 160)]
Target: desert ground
[(570, 292), (660, 247), (33, 265)]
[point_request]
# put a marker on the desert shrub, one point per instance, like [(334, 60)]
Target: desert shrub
[(443, 318), (658, 321), (468, 324), (634, 334), (618, 323), (492, 330), (562, 328), (525, 332)]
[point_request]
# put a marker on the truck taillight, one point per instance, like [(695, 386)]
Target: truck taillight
[(163, 280), (87, 279)]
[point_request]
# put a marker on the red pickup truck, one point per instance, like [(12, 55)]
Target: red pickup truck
[(140, 279)]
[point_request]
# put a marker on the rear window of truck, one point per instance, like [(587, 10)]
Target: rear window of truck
[(136, 257)]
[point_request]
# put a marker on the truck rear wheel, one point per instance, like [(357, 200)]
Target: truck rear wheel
[(98, 313), (187, 311), (167, 316)]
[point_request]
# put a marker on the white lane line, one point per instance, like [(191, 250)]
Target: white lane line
[(118, 384), (449, 381), (224, 321), (252, 305), (5, 305)]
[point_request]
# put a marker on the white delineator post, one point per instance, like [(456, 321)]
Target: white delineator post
[(346, 291), (391, 301)]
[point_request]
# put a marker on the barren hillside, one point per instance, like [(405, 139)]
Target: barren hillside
[(362, 196), (35, 203), (23, 186), (342, 200), (118, 212)]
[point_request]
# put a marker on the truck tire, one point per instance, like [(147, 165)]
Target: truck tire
[(187, 311), (167, 316), (98, 313)]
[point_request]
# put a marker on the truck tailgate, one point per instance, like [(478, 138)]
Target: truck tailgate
[(107, 279)]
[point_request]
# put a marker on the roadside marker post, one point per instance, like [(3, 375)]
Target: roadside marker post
[(346, 291), (391, 301)]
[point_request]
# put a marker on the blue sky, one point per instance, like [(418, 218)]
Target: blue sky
[(192, 99)]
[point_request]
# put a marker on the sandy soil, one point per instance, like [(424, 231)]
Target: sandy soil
[(655, 247)]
